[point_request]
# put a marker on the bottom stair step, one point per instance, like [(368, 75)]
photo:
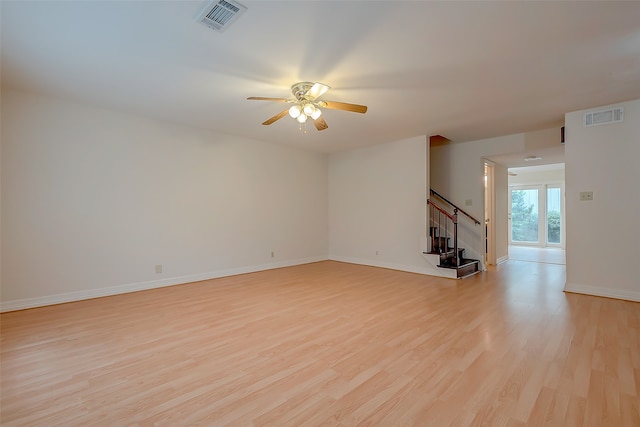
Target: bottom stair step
[(466, 267)]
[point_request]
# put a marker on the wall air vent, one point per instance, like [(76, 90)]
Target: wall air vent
[(603, 117), (219, 14)]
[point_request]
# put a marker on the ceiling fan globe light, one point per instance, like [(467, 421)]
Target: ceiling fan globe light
[(317, 112), (302, 118), (295, 111), (309, 109)]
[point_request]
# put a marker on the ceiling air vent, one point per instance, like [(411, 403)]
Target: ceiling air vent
[(219, 14), (603, 117)]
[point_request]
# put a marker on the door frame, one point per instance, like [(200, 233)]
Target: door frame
[(489, 212)]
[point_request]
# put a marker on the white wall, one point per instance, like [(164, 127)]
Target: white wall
[(501, 220), (93, 200), (457, 169), (602, 234), (457, 172), (377, 205)]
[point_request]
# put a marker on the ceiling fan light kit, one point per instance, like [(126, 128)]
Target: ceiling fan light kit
[(306, 104)]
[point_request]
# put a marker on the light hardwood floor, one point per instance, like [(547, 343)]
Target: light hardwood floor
[(329, 344), (537, 254)]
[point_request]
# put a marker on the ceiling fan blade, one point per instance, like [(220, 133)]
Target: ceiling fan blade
[(343, 106), (320, 124), (276, 117), (261, 98), (317, 90)]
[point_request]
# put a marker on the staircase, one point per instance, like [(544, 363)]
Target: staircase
[(441, 246), (443, 235)]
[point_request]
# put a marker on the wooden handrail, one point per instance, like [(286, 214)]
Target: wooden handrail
[(441, 210), (434, 192)]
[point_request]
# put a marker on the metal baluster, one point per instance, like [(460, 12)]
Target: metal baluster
[(446, 234), (439, 225), (455, 237)]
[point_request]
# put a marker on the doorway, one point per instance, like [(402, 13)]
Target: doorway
[(489, 213)]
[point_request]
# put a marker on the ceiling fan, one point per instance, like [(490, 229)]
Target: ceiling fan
[(306, 104)]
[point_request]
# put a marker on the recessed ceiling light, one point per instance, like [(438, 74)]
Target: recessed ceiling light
[(532, 158)]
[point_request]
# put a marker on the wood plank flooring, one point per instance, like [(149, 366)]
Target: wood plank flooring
[(549, 255), (329, 343)]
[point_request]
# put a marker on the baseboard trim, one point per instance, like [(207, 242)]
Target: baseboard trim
[(390, 265), (23, 304), (502, 259), (602, 292)]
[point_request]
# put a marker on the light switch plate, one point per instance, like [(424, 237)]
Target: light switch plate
[(586, 196)]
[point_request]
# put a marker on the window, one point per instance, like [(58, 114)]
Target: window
[(536, 216), (554, 217), (524, 215)]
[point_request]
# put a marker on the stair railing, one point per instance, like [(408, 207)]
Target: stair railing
[(453, 205), (439, 242), (439, 214)]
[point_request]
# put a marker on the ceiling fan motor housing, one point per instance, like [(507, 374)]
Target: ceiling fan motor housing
[(300, 90)]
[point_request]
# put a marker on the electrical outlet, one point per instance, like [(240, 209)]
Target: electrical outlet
[(468, 202), (158, 268), (586, 196)]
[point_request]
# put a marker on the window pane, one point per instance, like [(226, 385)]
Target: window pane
[(524, 215), (553, 215)]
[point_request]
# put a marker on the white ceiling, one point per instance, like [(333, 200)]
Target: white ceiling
[(465, 70), (540, 168), (548, 156)]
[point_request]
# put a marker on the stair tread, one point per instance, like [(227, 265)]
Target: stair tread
[(467, 267), (449, 252), (463, 263)]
